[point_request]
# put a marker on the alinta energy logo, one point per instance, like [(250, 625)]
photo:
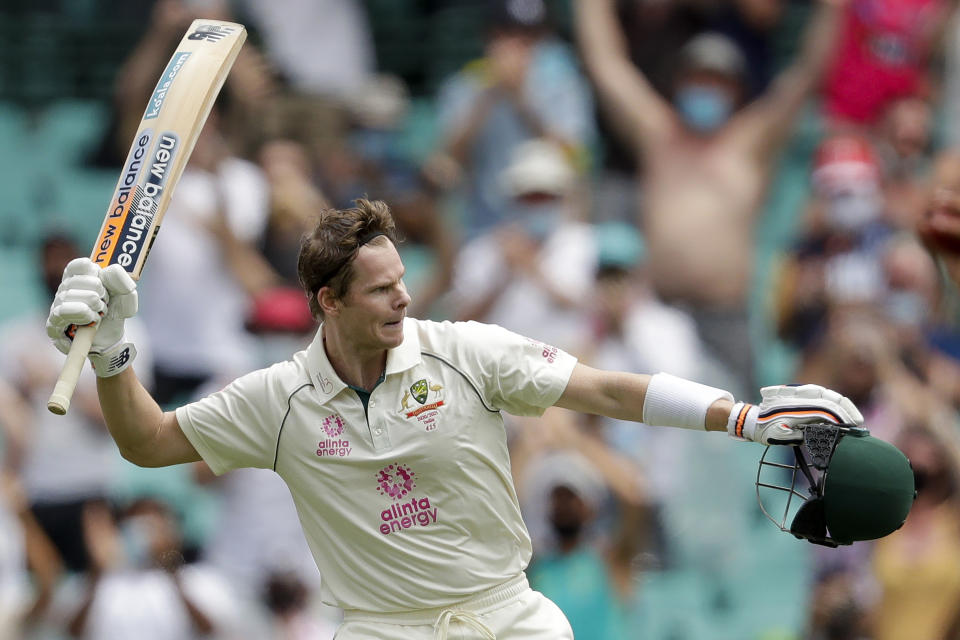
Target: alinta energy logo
[(397, 481), (333, 425), (333, 445)]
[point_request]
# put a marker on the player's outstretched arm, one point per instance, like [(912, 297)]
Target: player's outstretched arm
[(667, 401), (89, 295)]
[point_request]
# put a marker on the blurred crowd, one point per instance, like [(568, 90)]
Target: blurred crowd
[(605, 188)]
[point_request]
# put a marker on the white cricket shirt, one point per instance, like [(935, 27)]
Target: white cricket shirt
[(412, 505)]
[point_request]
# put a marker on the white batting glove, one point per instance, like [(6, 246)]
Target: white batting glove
[(784, 409), (91, 296)]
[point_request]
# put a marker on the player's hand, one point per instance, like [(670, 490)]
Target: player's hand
[(785, 408), (91, 296)]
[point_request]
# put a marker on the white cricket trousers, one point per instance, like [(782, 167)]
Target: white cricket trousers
[(510, 611)]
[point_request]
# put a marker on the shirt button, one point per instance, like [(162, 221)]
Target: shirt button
[(372, 403), (378, 431)]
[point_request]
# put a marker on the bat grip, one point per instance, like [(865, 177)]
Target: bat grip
[(59, 400)]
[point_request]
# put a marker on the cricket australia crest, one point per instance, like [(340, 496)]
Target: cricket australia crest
[(430, 398), (419, 390)]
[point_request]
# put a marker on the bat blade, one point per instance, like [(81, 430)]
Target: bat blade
[(171, 124)]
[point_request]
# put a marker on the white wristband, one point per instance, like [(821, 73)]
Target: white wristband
[(113, 360), (675, 402)]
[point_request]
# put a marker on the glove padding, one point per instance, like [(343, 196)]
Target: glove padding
[(784, 408), (91, 296)]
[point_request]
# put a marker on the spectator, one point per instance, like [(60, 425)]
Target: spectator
[(294, 200), (569, 482), (836, 260), (67, 461), (883, 53), (526, 86), (633, 330), (287, 599), (656, 33), (707, 163), (939, 225), (903, 140), (323, 53), (532, 275), (835, 611), (320, 48), (910, 300), (215, 219), (29, 563), (863, 355), (917, 567), (137, 585), (576, 575)]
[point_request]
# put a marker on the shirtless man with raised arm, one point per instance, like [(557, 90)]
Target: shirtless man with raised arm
[(706, 162), (388, 431)]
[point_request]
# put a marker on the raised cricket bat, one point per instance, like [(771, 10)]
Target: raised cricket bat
[(170, 126)]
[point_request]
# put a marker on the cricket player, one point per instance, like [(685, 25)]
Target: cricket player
[(388, 431)]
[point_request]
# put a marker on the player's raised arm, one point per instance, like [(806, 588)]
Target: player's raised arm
[(638, 112), (668, 401), (169, 129), (104, 298)]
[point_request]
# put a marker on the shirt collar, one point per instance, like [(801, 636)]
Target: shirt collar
[(329, 384), (407, 355)]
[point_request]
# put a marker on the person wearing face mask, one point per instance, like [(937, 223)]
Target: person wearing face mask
[(527, 85), (532, 274), (707, 162), (589, 577), (914, 305), (837, 258), (66, 462), (138, 585)]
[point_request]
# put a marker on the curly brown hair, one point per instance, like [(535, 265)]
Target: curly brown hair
[(327, 252)]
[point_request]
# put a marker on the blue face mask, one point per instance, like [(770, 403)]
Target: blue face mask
[(906, 308), (704, 109), (135, 537), (540, 220)]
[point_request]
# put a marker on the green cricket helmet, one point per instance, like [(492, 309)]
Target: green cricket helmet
[(858, 487)]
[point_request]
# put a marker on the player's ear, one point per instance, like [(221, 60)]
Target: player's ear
[(328, 302)]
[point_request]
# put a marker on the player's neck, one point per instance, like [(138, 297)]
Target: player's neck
[(357, 367)]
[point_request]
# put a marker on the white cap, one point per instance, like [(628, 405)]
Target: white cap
[(566, 468), (711, 51), (381, 102), (538, 166)]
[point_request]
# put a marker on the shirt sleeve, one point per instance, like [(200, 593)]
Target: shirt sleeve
[(516, 374), (237, 426)]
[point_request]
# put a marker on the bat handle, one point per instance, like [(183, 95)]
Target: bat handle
[(59, 400)]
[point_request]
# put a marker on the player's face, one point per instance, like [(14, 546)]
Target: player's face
[(376, 302)]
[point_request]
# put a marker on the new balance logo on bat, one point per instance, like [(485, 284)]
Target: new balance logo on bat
[(210, 33)]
